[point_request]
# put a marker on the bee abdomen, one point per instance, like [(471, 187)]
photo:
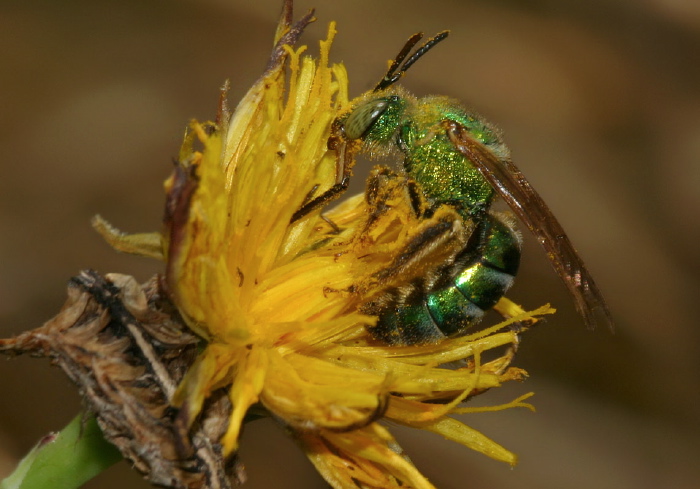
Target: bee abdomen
[(450, 310)]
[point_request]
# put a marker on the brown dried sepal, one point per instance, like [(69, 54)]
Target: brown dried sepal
[(126, 349)]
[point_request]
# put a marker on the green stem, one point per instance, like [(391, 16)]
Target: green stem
[(65, 460)]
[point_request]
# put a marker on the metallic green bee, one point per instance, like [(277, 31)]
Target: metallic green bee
[(456, 158)]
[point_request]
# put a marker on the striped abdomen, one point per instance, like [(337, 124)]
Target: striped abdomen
[(473, 284)]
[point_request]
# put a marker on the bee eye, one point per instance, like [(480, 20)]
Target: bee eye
[(361, 120)]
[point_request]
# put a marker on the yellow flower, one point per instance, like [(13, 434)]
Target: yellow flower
[(278, 297)]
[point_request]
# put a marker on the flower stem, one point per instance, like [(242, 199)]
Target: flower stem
[(65, 460)]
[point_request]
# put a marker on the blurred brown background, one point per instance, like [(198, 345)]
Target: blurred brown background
[(599, 102)]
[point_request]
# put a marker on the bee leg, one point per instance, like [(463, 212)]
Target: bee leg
[(344, 164), (328, 196), (334, 226), (310, 194), (418, 203), (501, 364)]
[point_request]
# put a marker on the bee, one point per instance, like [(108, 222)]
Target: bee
[(454, 157)]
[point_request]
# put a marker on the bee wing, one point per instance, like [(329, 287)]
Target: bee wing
[(514, 188)]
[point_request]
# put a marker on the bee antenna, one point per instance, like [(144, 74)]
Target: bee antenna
[(394, 73), (390, 76)]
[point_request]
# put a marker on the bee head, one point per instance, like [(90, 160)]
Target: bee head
[(374, 119), (376, 116)]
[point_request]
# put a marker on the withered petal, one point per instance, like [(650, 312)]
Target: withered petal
[(126, 369)]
